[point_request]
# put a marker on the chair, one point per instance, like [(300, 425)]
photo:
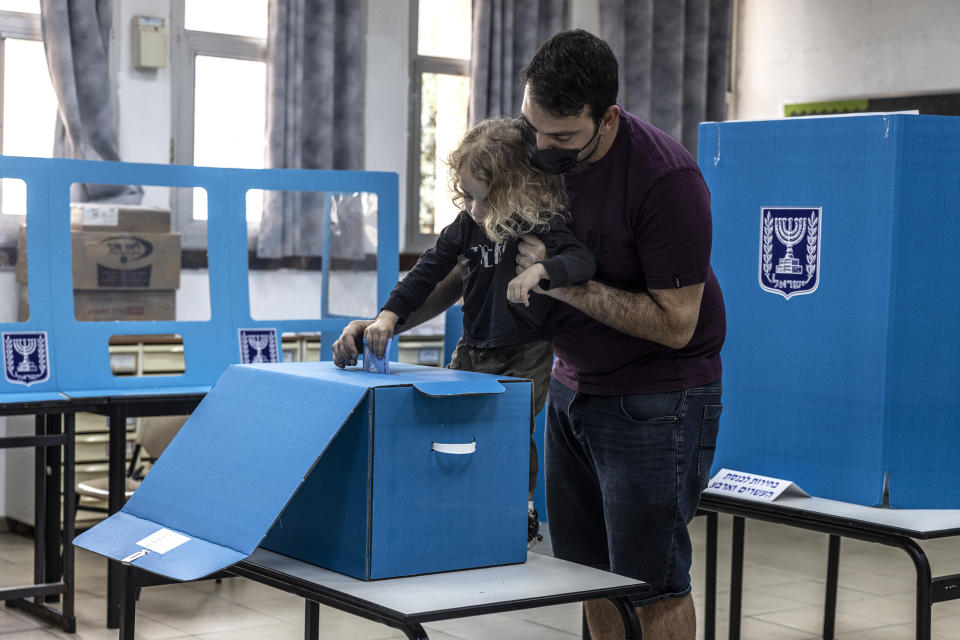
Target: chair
[(153, 436)]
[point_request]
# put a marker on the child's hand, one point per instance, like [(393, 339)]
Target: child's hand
[(518, 290), (380, 331)]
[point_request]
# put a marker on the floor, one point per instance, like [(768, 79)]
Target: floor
[(784, 584)]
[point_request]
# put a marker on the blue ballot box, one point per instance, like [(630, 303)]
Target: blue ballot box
[(372, 475), (842, 358)]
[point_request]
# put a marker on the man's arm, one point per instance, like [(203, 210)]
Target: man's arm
[(665, 316)]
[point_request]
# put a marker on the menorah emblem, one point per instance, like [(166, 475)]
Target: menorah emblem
[(790, 250), (25, 358), (25, 347), (790, 231), (258, 345), (259, 342)]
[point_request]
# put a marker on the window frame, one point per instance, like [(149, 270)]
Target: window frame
[(417, 241), (20, 26), (186, 46)]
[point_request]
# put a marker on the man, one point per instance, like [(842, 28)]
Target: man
[(634, 400)]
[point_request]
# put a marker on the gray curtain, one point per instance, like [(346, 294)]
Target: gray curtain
[(76, 38), (674, 60), (315, 96), (506, 34)]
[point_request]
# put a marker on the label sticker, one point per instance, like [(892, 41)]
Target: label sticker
[(750, 486), (100, 216), (163, 540)]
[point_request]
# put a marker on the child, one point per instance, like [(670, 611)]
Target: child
[(506, 331)]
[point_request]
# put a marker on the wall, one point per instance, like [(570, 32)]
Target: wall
[(811, 50)]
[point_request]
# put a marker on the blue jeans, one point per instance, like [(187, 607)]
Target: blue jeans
[(623, 480)]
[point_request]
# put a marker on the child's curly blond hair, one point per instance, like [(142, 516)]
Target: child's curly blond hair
[(521, 198)]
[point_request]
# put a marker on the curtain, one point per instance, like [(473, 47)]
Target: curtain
[(674, 60), (315, 97), (506, 34), (76, 38)]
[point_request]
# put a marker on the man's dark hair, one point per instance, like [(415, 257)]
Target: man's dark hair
[(572, 69)]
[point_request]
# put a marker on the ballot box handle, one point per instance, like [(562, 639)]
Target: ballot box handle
[(460, 449)]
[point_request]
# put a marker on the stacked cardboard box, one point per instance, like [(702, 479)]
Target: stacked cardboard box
[(126, 263)]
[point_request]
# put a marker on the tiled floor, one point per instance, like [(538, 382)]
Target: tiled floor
[(784, 582)]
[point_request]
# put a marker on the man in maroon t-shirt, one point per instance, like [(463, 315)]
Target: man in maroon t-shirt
[(634, 400)]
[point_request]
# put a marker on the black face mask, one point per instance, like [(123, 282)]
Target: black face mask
[(553, 161)]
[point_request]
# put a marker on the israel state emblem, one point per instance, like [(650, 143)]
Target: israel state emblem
[(790, 250), (258, 345), (26, 359)]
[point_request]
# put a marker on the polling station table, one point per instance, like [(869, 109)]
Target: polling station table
[(899, 528), (53, 554), (406, 603)]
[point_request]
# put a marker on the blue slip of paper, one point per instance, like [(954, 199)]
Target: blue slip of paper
[(373, 364)]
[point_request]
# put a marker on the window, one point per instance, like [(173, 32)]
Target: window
[(440, 89), (29, 106), (220, 72)]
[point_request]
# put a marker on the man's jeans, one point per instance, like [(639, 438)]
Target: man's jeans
[(623, 479)]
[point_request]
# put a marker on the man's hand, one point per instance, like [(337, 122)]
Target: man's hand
[(530, 251), (345, 348), (518, 289), (380, 331)]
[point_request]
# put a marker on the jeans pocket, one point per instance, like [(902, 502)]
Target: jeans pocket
[(652, 407), (708, 441)]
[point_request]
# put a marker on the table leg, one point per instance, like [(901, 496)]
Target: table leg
[(311, 624), (924, 586), (40, 511), (414, 632), (69, 515), (710, 597), (126, 582), (833, 572), (117, 446), (736, 576), (631, 624), (52, 504)]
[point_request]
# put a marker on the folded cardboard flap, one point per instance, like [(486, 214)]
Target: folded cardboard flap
[(238, 460)]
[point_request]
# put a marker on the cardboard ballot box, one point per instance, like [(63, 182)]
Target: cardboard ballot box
[(842, 356), (371, 475)]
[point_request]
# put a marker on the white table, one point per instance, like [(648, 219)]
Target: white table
[(893, 527)]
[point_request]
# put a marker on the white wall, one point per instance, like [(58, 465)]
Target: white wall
[(792, 51)]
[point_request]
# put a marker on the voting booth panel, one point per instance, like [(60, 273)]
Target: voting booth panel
[(111, 271), (840, 360), (372, 475)]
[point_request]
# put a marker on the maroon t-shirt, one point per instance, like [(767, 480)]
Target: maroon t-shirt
[(644, 211)]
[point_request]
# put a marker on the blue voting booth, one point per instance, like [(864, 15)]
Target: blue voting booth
[(842, 356), (372, 475)]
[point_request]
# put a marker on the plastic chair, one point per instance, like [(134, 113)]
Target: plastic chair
[(153, 436)]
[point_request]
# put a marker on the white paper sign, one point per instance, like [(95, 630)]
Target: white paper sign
[(163, 540), (750, 486), (100, 216)]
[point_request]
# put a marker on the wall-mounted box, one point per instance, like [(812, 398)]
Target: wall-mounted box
[(149, 40)]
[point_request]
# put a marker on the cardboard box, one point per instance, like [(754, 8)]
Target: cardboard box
[(96, 216), (840, 363), (372, 475), (125, 260), (104, 306)]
